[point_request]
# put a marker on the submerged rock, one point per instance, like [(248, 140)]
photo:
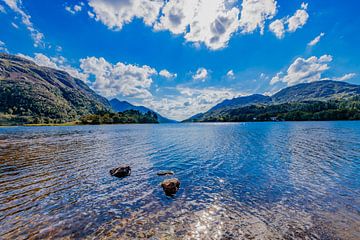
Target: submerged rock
[(170, 186), (120, 172), (165, 173)]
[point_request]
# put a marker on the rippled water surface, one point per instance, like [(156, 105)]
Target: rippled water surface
[(238, 181)]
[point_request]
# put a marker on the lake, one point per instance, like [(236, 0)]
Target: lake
[(286, 180)]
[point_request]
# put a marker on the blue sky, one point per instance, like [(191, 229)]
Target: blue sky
[(183, 57)]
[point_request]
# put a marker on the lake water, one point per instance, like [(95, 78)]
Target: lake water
[(238, 181)]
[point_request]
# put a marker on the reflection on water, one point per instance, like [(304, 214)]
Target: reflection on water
[(238, 181)]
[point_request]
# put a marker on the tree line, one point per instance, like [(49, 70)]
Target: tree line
[(348, 109)]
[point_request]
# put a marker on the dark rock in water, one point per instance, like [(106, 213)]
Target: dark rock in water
[(170, 186), (121, 171), (165, 173)]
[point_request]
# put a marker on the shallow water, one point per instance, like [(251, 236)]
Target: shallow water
[(238, 181)]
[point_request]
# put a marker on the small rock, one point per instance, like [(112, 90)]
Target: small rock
[(165, 173), (170, 186), (121, 171)]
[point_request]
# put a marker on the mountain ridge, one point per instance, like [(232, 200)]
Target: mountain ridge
[(316, 91), (120, 106), (29, 93)]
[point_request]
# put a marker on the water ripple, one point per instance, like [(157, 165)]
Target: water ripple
[(238, 181)]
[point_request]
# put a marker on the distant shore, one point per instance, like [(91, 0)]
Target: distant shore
[(75, 123), (78, 123)]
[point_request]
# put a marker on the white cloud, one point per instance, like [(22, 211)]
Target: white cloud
[(108, 79), (230, 74), (58, 48), (304, 6), (166, 74), (316, 40), (304, 70), (3, 46), (278, 28), (254, 13), (346, 77), (16, 6), (263, 76), (68, 8), (189, 101), (125, 79), (41, 60), (14, 25), (201, 74), (277, 78), (209, 22), (91, 15), (2, 9), (299, 19), (58, 62), (115, 14), (77, 8), (74, 9), (177, 15), (290, 23)]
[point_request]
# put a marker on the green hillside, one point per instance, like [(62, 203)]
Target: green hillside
[(33, 94), (322, 100)]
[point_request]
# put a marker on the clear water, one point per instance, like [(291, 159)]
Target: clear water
[(238, 181)]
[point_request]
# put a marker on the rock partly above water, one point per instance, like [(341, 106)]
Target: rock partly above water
[(120, 172), (170, 186), (165, 173)]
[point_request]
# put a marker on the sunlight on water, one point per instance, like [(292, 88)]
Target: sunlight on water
[(249, 181)]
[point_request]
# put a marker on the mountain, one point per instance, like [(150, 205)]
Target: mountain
[(195, 118), (30, 93), (300, 97), (320, 90), (121, 106), (242, 102)]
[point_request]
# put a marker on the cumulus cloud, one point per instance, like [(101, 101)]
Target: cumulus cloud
[(177, 16), (304, 70), (166, 74), (316, 40), (189, 101), (16, 6), (57, 62), (278, 28), (209, 22), (201, 74), (254, 13), (230, 74), (74, 9), (299, 19), (125, 79), (290, 23), (116, 13), (346, 77), (108, 79)]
